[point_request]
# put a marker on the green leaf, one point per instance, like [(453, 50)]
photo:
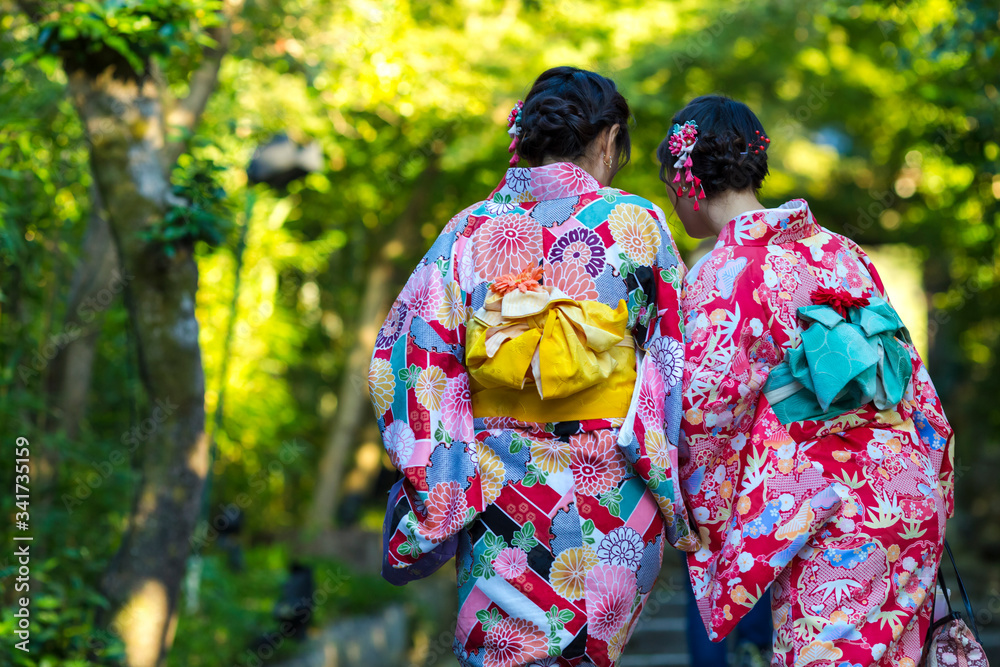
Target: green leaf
[(524, 539), (410, 376), (612, 500), (558, 618), (517, 443), (627, 266), (441, 435), (533, 476), (494, 544), (670, 275), (588, 532), (484, 566), (657, 474), (488, 618)]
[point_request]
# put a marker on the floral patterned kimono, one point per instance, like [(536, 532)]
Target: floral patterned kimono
[(504, 385), (843, 516)]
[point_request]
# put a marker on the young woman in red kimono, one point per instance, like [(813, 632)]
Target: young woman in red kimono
[(815, 454), (506, 385)]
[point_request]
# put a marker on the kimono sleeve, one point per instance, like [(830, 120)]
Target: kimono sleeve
[(649, 437), (730, 346), (929, 419), (420, 391)]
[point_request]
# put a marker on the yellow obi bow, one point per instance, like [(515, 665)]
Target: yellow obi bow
[(543, 337)]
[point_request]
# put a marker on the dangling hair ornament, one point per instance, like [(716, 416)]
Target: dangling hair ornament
[(514, 130), (682, 141)]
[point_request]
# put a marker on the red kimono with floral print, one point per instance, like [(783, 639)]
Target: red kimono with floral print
[(843, 518)]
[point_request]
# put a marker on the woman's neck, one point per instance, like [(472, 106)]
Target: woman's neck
[(719, 210)]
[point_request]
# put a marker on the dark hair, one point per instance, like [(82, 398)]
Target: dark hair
[(729, 153), (565, 110)]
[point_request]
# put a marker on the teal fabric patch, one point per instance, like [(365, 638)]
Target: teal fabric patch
[(842, 364)]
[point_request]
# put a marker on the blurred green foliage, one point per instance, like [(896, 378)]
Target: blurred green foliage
[(200, 211), (882, 114), (136, 31)]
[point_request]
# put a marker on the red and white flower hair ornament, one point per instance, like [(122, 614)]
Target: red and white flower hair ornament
[(514, 130), (682, 141)]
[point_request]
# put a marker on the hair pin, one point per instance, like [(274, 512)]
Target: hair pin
[(682, 141), (758, 145), (514, 130)]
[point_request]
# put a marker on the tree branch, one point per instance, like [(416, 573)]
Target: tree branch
[(183, 116)]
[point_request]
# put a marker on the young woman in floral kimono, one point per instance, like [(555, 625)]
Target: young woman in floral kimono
[(816, 455), (503, 380)]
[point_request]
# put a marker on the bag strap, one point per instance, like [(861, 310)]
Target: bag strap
[(962, 590)]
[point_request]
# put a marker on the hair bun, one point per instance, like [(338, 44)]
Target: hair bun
[(731, 150), (725, 162), (565, 111)]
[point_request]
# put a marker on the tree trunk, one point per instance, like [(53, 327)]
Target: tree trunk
[(124, 123), (95, 283), (352, 399)]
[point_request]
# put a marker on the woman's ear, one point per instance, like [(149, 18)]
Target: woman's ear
[(610, 143)]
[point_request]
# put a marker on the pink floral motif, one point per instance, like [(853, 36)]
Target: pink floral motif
[(651, 399), (610, 591), (853, 280), (596, 463), (467, 277), (446, 506), (399, 441), (507, 244), (456, 408), (563, 179), (423, 292), (510, 563), (573, 280), (683, 138), (513, 642), (668, 355)]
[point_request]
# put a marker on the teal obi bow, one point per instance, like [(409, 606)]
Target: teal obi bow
[(842, 364)]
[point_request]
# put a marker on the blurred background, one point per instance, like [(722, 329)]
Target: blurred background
[(207, 207)]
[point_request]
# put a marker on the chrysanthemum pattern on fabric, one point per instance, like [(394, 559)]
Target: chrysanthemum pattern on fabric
[(844, 518), (560, 527)]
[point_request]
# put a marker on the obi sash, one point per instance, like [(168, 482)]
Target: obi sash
[(842, 363), (540, 356)]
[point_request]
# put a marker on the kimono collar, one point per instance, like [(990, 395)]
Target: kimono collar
[(552, 181), (792, 221)]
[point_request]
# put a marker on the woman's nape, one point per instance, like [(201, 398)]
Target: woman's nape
[(714, 213), (600, 159)]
